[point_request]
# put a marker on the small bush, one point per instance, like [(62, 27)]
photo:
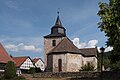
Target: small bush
[(2, 78), (32, 70), (88, 67), (37, 70), (10, 70), (15, 78)]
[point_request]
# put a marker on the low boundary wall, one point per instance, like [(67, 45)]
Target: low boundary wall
[(63, 74), (107, 75)]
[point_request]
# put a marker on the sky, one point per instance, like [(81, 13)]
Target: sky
[(23, 23)]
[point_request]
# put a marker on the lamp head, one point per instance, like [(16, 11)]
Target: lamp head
[(102, 49)]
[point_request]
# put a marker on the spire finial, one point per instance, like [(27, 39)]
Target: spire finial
[(58, 11), (58, 22)]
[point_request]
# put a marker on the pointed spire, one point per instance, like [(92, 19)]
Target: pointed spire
[(58, 22), (57, 30)]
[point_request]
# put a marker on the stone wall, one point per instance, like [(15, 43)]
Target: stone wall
[(74, 62), (78, 75), (64, 74), (48, 46), (49, 67), (70, 62), (92, 60), (55, 62)]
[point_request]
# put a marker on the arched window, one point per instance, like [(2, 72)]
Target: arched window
[(54, 43), (59, 65)]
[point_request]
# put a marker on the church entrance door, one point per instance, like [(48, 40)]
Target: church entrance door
[(59, 65)]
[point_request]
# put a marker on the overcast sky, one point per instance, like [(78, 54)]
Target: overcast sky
[(23, 23)]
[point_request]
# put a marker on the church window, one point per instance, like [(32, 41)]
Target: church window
[(54, 43)]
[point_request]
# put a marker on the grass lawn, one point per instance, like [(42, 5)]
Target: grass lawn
[(46, 79)]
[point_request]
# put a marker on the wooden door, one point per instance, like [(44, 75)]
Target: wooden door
[(59, 65)]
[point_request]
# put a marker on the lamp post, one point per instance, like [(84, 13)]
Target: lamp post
[(102, 51)]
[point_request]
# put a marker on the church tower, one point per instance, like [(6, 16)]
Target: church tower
[(58, 32)]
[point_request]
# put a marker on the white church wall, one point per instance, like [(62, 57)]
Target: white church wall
[(92, 60), (55, 62), (48, 46), (74, 62)]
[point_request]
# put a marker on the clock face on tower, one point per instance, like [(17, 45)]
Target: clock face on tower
[(60, 30)]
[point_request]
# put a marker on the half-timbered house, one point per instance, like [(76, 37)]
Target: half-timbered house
[(23, 64)]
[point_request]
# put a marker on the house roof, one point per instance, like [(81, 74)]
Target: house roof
[(4, 57), (20, 60), (65, 46), (55, 35), (89, 51), (36, 59)]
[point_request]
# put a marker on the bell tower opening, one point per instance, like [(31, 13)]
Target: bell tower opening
[(53, 43)]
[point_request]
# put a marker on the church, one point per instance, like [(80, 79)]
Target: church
[(61, 55)]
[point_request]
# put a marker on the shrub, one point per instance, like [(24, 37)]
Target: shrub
[(32, 70), (88, 67), (15, 78), (37, 70), (10, 70)]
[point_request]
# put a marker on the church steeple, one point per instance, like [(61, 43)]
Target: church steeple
[(57, 30), (58, 22), (58, 33)]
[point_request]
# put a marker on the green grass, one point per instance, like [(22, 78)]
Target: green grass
[(46, 79)]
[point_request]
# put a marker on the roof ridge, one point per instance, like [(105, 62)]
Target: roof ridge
[(21, 62), (87, 48), (20, 56)]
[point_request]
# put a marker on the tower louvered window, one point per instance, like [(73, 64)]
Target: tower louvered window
[(54, 43)]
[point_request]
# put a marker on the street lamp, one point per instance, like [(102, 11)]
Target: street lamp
[(102, 65)]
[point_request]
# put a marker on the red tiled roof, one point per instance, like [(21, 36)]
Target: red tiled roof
[(4, 57), (19, 60), (36, 59)]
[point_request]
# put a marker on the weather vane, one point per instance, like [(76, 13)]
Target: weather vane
[(58, 11)]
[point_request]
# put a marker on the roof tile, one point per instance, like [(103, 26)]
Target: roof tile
[(20, 60), (4, 57), (89, 51)]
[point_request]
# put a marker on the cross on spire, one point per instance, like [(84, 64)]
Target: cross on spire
[(58, 11)]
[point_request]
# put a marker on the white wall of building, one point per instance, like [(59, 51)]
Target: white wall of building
[(74, 62), (92, 60), (40, 64), (27, 64), (55, 62)]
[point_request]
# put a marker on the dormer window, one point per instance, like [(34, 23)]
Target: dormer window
[(54, 43)]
